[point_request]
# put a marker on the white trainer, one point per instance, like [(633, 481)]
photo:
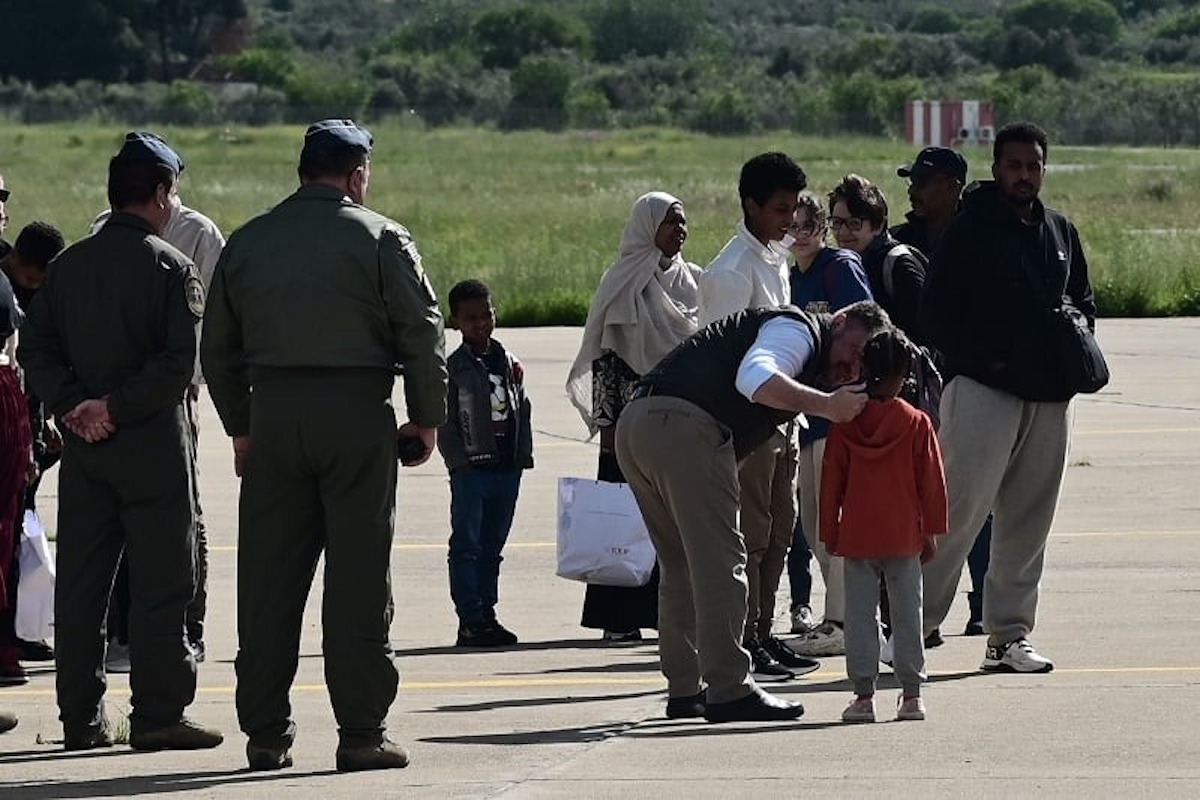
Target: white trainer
[(803, 620), (827, 639), (1016, 656)]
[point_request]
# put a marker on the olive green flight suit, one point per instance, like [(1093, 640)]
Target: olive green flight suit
[(313, 308), (117, 318)]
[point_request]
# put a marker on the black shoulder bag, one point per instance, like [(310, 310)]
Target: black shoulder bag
[(1081, 363)]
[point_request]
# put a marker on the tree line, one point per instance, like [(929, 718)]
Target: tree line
[(722, 67)]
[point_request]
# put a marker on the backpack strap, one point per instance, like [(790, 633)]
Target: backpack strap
[(889, 267)]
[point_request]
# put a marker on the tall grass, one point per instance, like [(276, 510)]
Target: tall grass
[(539, 215)]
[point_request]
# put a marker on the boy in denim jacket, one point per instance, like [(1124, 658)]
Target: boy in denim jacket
[(486, 442)]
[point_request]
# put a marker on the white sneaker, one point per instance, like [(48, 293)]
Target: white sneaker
[(803, 620), (1016, 656), (116, 659), (827, 639)]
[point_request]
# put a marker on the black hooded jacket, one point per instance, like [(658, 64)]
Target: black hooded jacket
[(982, 307)]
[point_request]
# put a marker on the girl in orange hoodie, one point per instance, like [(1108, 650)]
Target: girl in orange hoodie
[(883, 499)]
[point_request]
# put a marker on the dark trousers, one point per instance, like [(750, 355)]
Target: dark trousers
[(977, 565), (118, 604), (14, 464), (132, 492), (799, 567), (321, 476), (482, 503)]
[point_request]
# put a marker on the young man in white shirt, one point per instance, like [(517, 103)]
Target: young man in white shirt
[(751, 271)]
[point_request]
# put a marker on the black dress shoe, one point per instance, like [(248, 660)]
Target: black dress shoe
[(89, 737), (35, 651), (798, 664), (264, 759), (974, 628), (934, 639), (758, 706), (686, 707)]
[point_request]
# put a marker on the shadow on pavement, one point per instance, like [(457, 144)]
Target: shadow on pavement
[(624, 666), (127, 785), (529, 702), (554, 644), (887, 682), (699, 727), (582, 735)]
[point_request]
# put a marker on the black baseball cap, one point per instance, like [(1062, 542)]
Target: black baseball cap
[(143, 147), (933, 160)]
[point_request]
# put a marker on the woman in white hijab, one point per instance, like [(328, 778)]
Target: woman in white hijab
[(644, 306)]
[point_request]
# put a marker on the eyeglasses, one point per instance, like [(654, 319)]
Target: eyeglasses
[(852, 224), (805, 231)]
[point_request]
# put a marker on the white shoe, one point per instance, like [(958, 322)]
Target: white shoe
[(1016, 656), (116, 659), (803, 620), (827, 639)]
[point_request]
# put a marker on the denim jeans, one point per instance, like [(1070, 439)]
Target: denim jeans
[(482, 503), (799, 568)]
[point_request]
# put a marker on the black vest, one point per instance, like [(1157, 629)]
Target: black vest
[(702, 369)]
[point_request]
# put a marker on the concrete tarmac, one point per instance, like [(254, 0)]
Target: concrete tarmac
[(562, 715)]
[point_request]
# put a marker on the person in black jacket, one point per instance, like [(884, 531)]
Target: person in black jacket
[(936, 179), (858, 217), (935, 184), (1006, 416)]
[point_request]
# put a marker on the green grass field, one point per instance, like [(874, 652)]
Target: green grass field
[(539, 215)]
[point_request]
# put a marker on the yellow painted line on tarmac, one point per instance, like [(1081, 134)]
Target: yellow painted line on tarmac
[(543, 545), (1101, 534), (567, 683), (1126, 431)]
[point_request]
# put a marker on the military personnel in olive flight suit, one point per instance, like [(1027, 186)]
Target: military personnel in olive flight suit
[(314, 307), (109, 346)]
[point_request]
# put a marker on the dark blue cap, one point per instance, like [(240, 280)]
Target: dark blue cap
[(932, 160), (331, 134), (143, 147)]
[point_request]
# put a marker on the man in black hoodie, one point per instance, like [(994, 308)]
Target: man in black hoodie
[(1006, 415)]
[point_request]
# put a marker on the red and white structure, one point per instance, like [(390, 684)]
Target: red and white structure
[(949, 123)]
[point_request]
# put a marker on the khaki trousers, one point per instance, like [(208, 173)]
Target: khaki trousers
[(767, 518), (680, 463)]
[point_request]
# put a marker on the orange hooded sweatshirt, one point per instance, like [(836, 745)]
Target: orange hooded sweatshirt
[(883, 489)]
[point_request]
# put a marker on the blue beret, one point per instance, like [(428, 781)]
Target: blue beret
[(330, 134), (143, 147)]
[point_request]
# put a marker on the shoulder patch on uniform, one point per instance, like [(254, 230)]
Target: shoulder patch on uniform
[(194, 291)]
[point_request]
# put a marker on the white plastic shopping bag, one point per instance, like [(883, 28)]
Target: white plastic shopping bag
[(35, 588), (601, 536)]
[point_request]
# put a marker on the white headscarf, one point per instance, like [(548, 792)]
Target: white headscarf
[(641, 310)]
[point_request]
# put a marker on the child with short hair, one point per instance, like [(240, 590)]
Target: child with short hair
[(883, 500), (486, 442)]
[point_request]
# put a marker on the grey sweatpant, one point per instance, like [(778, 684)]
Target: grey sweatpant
[(1006, 454), (903, 576)]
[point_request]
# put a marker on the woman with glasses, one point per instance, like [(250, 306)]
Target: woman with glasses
[(858, 217), (824, 279)]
